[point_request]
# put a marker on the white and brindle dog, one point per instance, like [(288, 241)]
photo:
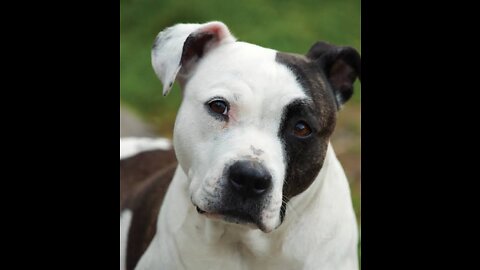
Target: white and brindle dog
[(258, 185)]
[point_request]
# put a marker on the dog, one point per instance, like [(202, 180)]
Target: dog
[(253, 181)]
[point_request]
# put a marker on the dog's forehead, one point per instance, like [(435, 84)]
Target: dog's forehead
[(244, 70)]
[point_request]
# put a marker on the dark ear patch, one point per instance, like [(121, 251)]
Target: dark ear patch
[(318, 49), (194, 47), (341, 65), (200, 42)]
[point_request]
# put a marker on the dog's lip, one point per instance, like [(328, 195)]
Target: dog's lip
[(200, 211), (207, 214), (232, 216)]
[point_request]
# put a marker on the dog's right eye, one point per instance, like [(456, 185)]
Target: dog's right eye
[(218, 106)]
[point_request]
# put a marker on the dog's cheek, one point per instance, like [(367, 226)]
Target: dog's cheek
[(194, 139), (184, 131)]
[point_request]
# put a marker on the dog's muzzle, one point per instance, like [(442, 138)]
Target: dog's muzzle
[(246, 190)]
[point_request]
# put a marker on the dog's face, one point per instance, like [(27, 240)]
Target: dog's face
[(254, 124)]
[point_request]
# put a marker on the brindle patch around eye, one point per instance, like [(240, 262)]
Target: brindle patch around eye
[(304, 158)]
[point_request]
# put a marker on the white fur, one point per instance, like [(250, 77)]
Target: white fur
[(131, 146), (125, 220)]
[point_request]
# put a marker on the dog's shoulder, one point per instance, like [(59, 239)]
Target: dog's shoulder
[(144, 180), (136, 172)]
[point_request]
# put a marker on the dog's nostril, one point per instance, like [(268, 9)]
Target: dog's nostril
[(261, 186), (236, 183)]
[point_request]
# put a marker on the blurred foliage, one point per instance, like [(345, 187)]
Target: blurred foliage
[(291, 26)]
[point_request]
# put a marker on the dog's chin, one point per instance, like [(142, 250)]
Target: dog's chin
[(236, 217)]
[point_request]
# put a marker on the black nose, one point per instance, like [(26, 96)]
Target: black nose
[(249, 178)]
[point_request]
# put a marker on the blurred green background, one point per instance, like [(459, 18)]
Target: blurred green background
[(291, 26)]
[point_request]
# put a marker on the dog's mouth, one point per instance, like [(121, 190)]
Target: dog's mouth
[(233, 216), (200, 211)]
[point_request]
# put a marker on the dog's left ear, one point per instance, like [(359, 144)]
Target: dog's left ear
[(178, 48), (341, 66)]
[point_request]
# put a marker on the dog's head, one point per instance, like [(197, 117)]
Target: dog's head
[(254, 124)]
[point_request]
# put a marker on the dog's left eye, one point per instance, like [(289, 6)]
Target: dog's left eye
[(218, 106), (302, 129)]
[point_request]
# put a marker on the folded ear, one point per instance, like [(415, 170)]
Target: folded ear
[(176, 49), (341, 66)]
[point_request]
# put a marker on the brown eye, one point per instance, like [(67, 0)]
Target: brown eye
[(301, 129), (218, 106)]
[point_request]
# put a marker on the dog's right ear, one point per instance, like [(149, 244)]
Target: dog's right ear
[(177, 49), (341, 65)]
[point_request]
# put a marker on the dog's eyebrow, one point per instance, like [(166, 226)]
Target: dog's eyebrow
[(234, 85), (301, 101), (229, 91)]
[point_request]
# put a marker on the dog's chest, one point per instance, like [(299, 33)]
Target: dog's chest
[(229, 252), (206, 244)]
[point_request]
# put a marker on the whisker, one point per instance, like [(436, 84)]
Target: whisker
[(284, 200)]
